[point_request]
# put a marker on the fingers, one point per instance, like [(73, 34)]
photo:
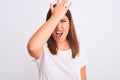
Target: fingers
[(66, 4), (69, 5), (51, 6), (58, 1), (65, 1)]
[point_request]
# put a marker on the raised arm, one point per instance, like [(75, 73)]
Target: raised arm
[(40, 37)]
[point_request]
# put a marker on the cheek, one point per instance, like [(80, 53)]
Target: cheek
[(67, 27)]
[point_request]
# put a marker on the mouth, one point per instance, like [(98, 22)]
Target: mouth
[(59, 34)]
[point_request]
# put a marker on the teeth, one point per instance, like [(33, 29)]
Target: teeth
[(59, 32)]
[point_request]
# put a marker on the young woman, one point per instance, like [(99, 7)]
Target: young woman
[(56, 48)]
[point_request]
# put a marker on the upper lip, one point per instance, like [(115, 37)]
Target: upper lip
[(59, 31)]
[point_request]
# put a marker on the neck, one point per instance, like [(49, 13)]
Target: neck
[(63, 45)]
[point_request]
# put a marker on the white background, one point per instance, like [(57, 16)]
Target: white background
[(98, 27)]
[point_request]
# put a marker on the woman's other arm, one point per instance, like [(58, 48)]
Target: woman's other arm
[(83, 73)]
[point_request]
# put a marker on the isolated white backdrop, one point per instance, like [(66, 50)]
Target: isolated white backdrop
[(98, 27)]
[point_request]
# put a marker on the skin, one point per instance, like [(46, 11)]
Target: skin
[(56, 22), (83, 73), (37, 41), (62, 26)]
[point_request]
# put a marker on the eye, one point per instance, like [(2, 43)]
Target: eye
[(63, 21)]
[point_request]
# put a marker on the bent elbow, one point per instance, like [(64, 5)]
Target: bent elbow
[(32, 51)]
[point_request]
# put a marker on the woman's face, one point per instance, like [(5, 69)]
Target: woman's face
[(61, 31)]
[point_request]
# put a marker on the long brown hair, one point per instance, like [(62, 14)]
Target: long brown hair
[(72, 37)]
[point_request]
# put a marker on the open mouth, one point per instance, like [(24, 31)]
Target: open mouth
[(59, 34)]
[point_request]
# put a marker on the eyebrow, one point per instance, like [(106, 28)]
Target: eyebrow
[(63, 19)]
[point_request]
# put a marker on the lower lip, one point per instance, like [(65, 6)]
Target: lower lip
[(58, 36)]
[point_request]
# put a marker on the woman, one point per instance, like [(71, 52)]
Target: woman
[(56, 48)]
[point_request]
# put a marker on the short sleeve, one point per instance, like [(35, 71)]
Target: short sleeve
[(37, 61), (83, 58)]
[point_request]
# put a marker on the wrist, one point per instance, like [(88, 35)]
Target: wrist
[(55, 18)]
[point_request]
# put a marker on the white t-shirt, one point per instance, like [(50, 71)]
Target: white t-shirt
[(61, 66)]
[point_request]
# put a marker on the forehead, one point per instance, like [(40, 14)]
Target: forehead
[(64, 18)]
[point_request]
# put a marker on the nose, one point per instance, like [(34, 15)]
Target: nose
[(59, 25)]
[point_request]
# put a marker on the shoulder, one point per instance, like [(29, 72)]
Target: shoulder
[(83, 57), (82, 51)]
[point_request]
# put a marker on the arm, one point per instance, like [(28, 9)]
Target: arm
[(83, 73), (40, 37)]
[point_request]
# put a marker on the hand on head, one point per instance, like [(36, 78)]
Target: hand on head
[(61, 8)]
